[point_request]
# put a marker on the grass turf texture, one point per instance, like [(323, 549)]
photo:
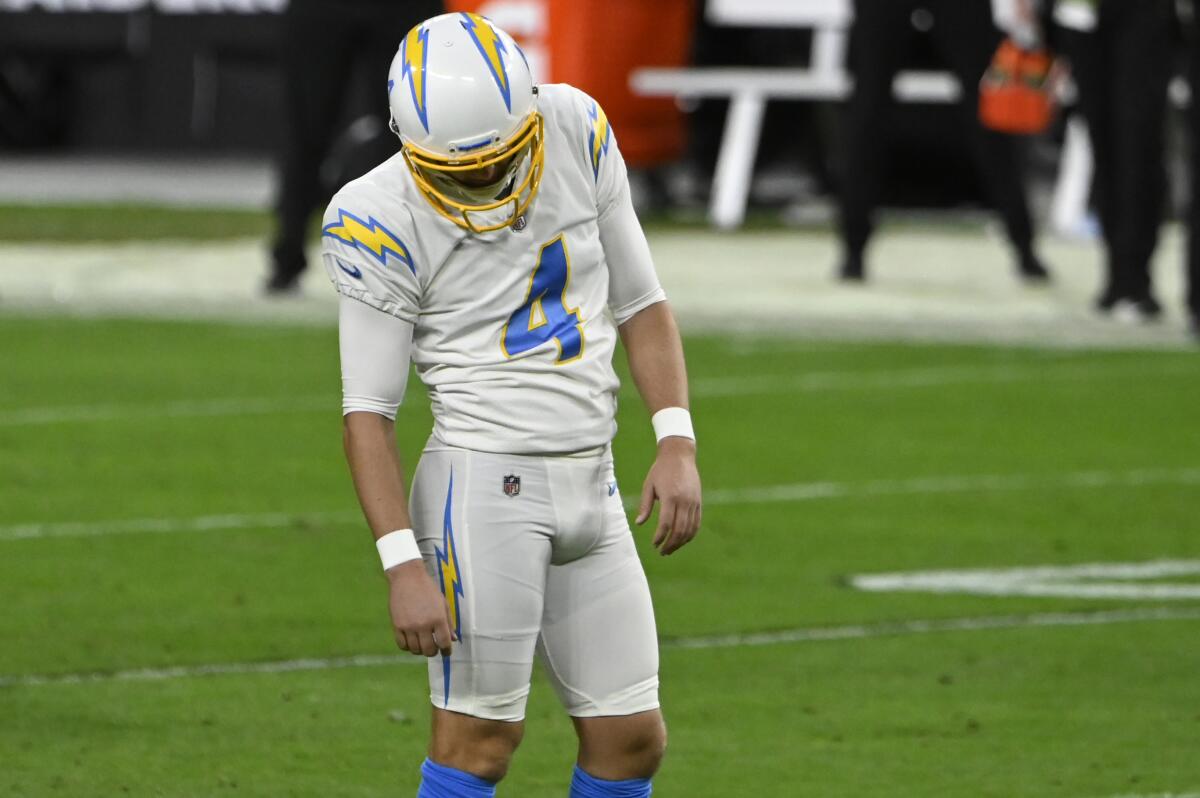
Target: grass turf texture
[(1081, 711), (122, 221)]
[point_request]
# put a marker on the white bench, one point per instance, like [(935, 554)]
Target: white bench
[(748, 90), (825, 79)]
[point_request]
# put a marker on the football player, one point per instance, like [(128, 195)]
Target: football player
[(499, 252)]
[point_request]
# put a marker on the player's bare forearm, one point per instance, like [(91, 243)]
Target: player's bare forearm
[(370, 444), (655, 351), (651, 340), (420, 618)]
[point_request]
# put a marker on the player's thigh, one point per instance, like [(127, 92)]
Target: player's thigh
[(599, 642), (488, 556)]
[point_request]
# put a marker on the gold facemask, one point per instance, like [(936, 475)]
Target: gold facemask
[(527, 141)]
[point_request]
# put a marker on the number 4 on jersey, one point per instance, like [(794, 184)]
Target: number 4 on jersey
[(544, 314)]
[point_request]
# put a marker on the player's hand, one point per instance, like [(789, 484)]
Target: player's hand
[(420, 617), (675, 483)]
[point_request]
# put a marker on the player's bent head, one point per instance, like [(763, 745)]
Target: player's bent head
[(464, 105)]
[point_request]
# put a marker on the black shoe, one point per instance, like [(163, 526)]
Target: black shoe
[(1194, 326), (282, 285), (1033, 271), (851, 270), (1148, 308), (1107, 301)]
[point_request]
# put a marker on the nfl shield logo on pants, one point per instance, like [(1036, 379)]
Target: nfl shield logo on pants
[(512, 485)]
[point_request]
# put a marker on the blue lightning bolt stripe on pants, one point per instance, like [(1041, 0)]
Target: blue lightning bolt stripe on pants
[(439, 781), (449, 575), (584, 785)]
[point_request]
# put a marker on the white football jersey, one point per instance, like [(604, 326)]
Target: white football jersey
[(513, 330)]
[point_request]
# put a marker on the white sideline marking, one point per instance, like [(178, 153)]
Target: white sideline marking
[(710, 387), (803, 635), (1050, 581), (797, 492)]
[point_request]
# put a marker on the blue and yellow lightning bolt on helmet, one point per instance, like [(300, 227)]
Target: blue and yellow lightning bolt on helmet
[(462, 100)]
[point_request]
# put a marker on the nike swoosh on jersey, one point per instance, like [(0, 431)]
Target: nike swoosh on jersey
[(355, 272)]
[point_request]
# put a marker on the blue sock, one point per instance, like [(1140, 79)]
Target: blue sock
[(585, 786), (439, 781)]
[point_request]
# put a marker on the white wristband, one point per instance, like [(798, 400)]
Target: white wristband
[(397, 547), (672, 421)]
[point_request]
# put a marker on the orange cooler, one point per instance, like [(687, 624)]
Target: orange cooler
[(594, 45)]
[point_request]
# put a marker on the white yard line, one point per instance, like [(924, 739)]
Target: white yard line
[(927, 377), (1110, 580), (787, 636), (203, 523), (983, 483), (795, 492), (248, 406), (215, 669), (704, 387), (1158, 795), (917, 627)]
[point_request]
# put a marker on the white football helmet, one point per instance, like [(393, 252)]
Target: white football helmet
[(462, 99)]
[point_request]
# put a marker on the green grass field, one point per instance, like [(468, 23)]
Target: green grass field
[(107, 422)]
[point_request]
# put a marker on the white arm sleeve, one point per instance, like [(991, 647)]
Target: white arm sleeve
[(375, 349), (632, 282)]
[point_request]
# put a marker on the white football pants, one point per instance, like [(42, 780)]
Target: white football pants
[(535, 552)]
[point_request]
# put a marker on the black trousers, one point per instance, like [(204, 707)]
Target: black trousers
[(1193, 265), (966, 38), (1122, 69), (324, 41)]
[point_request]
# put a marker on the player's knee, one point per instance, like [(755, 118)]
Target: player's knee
[(485, 751), (648, 747), (496, 751), (633, 749), (644, 747)]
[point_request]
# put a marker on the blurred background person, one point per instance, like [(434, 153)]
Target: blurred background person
[(328, 47), (965, 37), (1191, 30), (1120, 53)]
